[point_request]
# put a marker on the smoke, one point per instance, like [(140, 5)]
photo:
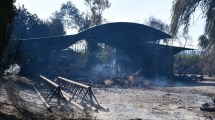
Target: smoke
[(100, 69), (112, 60), (162, 81)]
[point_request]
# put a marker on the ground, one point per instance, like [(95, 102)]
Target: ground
[(156, 103), (19, 101), (176, 101)]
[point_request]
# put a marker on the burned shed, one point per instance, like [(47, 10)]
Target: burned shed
[(133, 44)]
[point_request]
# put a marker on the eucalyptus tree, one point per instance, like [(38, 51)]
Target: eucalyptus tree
[(160, 25), (182, 13), (97, 8), (75, 19), (27, 25)]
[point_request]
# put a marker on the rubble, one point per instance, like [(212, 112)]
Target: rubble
[(13, 69), (209, 107)]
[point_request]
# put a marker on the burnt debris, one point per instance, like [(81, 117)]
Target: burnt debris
[(209, 107)]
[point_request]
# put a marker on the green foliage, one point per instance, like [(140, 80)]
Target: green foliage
[(203, 41), (189, 64), (201, 63), (97, 8), (80, 21), (182, 12), (158, 24), (72, 17), (55, 27), (28, 25)]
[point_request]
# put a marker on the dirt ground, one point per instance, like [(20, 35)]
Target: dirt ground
[(181, 101), (19, 101), (156, 103)]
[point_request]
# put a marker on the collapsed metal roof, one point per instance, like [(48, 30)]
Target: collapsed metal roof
[(116, 34), (122, 33)]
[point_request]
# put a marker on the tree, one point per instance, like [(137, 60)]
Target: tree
[(157, 24), (80, 21), (95, 17), (97, 8), (55, 27), (7, 15), (203, 41), (189, 63), (72, 17), (160, 25), (182, 12), (28, 25)]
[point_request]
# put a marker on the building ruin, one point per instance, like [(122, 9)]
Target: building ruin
[(133, 47)]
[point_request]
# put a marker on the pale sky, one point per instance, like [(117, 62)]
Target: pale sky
[(120, 11)]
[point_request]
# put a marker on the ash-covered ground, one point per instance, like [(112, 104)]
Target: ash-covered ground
[(156, 103), (19, 101), (181, 101)]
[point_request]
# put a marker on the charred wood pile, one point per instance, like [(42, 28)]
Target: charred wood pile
[(192, 77), (120, 79)]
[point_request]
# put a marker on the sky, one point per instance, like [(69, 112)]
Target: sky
[(121, 11)]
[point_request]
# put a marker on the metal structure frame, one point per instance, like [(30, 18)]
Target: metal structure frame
[(77, 94), (49, 90), (79, 91)]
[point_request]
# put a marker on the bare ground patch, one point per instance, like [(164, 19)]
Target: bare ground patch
[(167, 103)]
